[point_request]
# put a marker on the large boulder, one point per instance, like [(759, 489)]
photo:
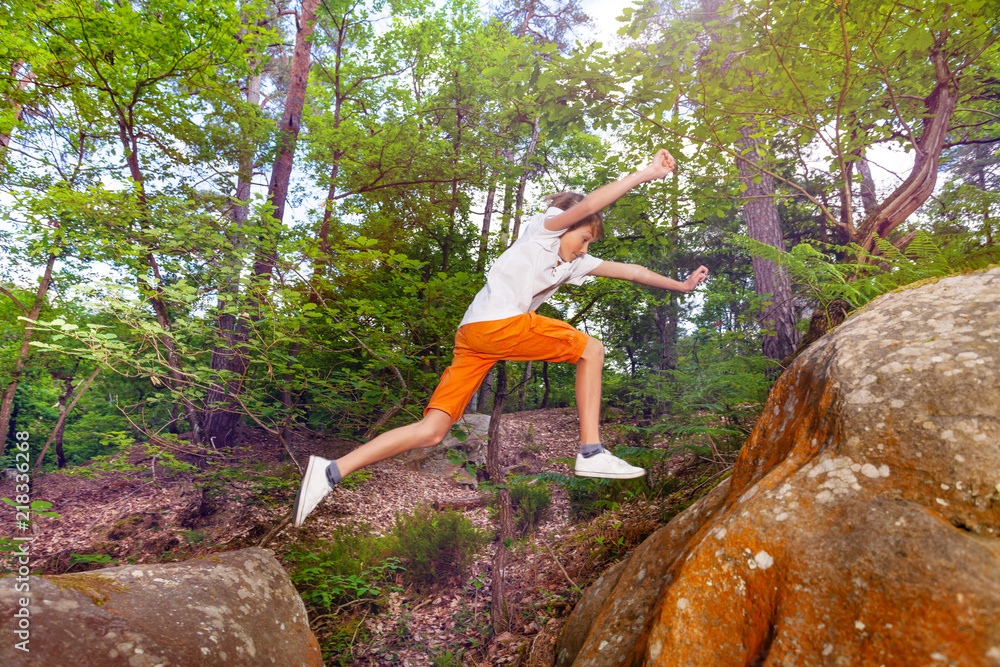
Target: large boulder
[(233, 608), (861, 525)]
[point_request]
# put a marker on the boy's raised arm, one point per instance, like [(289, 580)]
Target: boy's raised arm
[(640, 274), (662, 164)]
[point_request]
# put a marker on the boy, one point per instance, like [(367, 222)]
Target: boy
[(501, 324)]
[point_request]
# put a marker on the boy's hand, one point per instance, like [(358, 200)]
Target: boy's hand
[(696, 278), (663, 163)]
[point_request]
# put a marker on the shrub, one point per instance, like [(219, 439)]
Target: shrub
[(435, 545), (529, 499), (352, 565), (589, 496)]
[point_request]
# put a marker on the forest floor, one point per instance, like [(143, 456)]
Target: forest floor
[(130, 508)]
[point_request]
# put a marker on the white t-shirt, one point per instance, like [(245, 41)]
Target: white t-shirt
[(527, 273)]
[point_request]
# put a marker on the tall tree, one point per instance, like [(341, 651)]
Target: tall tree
[(30, 314), (774, 82), (120, 87), (759, 208), (287, 137), (222, 411)]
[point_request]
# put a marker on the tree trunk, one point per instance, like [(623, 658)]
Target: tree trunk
[(487, 220), (482, 396), (129, 139), (523, 179), (174, 418), (21, 360), (868, 198), (221, 409), (548, 387), (523, 395), (288, 134), (22, 83), (277, 189), (764, 225), (60, 424), (456, 152), (666, 315), (57, 434), (919, 184), (499, 611)]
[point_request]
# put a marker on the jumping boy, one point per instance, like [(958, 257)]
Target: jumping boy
[(501, 324)]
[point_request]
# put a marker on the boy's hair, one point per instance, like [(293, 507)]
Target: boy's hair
[(566, 201)]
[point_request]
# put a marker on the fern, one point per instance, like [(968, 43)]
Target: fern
[(821, 275), (571, 482)]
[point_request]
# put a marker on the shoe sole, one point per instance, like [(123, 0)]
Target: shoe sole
[(629, 475), (296, 520)]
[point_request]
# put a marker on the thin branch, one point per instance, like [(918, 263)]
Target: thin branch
[(561, 568), (13, 298), (720, 146), (62, 418)]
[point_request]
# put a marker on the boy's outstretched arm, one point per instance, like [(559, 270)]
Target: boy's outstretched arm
[(606, 195), (640, 274)]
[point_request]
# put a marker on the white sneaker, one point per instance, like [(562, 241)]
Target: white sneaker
[(313, 489), (607, 465)]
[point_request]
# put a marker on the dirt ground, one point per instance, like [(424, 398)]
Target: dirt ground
[(144, 512)]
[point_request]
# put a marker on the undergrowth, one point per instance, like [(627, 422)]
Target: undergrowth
[(353, 571), (529, 498), (591, 496), (613, 534)]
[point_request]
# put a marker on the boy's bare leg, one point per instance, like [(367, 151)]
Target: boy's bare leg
[(588, 391), (593, 460), (321, 475), (427, 432)]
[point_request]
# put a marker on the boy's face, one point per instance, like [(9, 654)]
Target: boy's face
[(575, 242)]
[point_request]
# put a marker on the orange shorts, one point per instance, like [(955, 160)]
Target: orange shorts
[(479, 345)]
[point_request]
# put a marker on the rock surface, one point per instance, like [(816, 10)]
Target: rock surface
[(434, 460), (861, 525), (233, 608)]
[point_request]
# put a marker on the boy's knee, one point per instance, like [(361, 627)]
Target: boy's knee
[(594, 350), (431, 431)]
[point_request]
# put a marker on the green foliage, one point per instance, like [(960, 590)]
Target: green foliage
[(138, 117), (165, 457), (352, 565), (94, 430), (356, 479), (92, 560), (445, 657), (325, 590), (339, 642), (39, 507), (115, 463), (821, 276), (435, 546), (529, 498), (591, 496)]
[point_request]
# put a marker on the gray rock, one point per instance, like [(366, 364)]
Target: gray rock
[(233, 608), (435, 460)]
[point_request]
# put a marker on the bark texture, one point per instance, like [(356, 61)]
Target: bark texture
[(288, 135), (7, 403)]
